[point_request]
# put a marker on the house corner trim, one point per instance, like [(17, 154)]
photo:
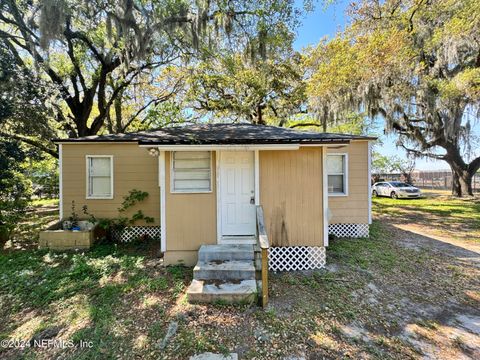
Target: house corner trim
[(325, 196), (163, 213)]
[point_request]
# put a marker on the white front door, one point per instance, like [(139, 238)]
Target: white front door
[(237, 193)]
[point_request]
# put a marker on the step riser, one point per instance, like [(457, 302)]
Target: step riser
[(242, 292), (224, 274), (208, 253), (223, 298), (207, 256)]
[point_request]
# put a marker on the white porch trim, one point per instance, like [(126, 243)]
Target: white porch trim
[(325, 197), (218, 190), (163, 214), (257, 177)]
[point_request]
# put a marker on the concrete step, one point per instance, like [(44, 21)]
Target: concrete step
[(224, 270), (225, 252), (211, 291)]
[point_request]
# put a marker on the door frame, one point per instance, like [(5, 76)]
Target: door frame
[(256, 177)]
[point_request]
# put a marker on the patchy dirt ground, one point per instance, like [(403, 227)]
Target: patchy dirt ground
[(396, 295)]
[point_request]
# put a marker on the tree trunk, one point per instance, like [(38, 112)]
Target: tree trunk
[(259, 114), (118, 114), (461, 183)]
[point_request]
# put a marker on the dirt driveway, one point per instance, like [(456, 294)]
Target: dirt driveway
[(440, 314), (450, 326)]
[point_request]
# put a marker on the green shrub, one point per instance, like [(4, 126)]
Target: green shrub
[(15, 188)]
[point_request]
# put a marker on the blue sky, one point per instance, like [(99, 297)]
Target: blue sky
[(326, 22)]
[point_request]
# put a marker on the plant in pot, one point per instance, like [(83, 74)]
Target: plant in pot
[(72, 222), (91, 219)]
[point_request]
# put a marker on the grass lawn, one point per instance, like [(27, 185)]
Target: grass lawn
[(40, 214), (368, 304), (439, 214)]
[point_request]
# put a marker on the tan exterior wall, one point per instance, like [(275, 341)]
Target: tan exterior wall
[(187, 258), (191, 219), (352, 209), (291, 187), (133, 168)]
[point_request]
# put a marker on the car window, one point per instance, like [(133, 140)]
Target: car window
[(399, 184)]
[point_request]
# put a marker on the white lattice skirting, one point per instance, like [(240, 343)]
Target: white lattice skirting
[(135, 232), (291, 258), (349, 230)]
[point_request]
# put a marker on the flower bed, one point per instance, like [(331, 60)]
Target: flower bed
[(56, 238)]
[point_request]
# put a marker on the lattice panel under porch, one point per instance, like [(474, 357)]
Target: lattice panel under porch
[(291, 258), (349, 230), (134, 232)]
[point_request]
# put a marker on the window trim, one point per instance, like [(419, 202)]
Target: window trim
[(87, 177), (172, 176), (345, 175)]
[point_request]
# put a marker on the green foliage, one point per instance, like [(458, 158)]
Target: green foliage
[(130, 200), (73, 218), (14, 187), (23, 106), (43, 172), (262, 92), (134, 196), (354, 123), (386, 164), (165, 114)]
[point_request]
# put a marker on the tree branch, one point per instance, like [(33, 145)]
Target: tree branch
[(32, 142), (305, 124), (474, 166), (419, 153)]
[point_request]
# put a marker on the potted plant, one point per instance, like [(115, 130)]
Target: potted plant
[(72, 222)]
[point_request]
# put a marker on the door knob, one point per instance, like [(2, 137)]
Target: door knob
[(252, 200)]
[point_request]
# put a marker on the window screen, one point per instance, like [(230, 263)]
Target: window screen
[(191, 171), (99, 177), (336, 174)]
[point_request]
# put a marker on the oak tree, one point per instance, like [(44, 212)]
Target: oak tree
[(415, 63), (97, 53)]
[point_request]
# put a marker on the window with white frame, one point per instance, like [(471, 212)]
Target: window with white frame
[(99, 177), (337, 174), (191, 171)]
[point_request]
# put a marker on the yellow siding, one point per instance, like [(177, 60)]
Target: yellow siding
[(187, 258), (352, 209), (291, 184), (133, 168), (191, 218)]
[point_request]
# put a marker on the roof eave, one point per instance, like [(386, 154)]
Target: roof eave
[(249, 142)]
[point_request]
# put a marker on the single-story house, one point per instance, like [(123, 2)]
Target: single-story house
[(205, 181)]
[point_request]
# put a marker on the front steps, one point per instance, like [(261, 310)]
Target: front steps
[(224, 274)]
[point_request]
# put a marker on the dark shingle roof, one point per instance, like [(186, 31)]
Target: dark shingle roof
[(211, 134)]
